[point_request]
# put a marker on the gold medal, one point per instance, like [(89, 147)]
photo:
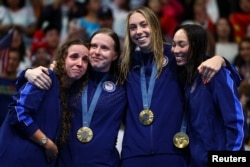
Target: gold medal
[(84, 134), (181, 140), (146, 117)]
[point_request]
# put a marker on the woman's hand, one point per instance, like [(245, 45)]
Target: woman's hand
[(210, 67), (51, 150), (39, 76)]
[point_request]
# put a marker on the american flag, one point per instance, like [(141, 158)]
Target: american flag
[(5, 44)]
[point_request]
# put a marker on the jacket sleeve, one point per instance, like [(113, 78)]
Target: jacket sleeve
[(227, 99), (234, 73), (21, 80), (23, 109)]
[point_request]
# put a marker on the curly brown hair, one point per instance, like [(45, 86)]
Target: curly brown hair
[(67, 92)]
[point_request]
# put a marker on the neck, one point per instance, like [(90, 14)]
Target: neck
[(14, 8), (91, 17), (147, 50), (223, 40), (103, 70), (67, 82)]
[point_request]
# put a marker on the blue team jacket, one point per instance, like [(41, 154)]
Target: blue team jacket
[(215, 117), (31, 108), (7, 90), (167, 106), (101, 150)]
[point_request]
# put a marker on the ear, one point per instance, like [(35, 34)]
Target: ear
[(115, 57)]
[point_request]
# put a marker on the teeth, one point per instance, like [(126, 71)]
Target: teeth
[(140, 39)]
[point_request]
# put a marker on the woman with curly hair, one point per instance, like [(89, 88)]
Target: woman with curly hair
[(95, 121), (31, 129)]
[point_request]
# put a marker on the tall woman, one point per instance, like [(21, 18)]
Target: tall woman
[(155, 99)]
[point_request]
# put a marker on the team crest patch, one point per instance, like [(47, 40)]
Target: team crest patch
[(109, 86), (165, 61)]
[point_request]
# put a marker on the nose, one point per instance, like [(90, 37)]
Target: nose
[(97, 50), (79, 62), (139, 30), (174, 49)]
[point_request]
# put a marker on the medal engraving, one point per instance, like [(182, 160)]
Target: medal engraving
[(181, 140), (146, 117), (84, 134)]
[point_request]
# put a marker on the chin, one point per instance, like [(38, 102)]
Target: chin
[(180, 64), (75, 77), (79, 76)]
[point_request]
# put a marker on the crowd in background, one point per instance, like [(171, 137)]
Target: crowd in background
[(42, 26)]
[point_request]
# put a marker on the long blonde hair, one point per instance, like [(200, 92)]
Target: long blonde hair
[(129, 47)]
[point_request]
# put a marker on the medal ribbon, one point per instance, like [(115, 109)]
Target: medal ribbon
[(184, 122), (88, 113), (184, 119), (147, 94)]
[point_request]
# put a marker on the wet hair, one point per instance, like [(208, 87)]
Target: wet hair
[(114, 69), (197, 39), (65, 92), (157, 42)]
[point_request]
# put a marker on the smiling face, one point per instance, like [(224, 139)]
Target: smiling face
[(102, 52), (76, 61), (180, 47), (140, 32)]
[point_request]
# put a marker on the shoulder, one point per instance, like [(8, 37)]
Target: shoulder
[(82, 21), (167, 47), (222, 78), (52, 74)]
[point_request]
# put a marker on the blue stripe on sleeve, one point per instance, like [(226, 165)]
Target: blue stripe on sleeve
[(239, 115), (21, 113)]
